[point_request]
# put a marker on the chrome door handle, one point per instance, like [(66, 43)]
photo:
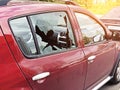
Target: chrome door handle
[(91, 58), (41, 76)]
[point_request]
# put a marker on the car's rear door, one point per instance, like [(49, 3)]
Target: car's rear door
[(46, 65), (99, 51)]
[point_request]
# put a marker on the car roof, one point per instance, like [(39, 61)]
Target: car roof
[(19, 9)]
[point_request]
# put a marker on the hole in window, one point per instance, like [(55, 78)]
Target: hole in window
[(53, 31)]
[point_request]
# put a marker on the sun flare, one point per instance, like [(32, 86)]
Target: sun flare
[(98, 6)]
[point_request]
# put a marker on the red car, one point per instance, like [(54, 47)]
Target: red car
[(55, 47)]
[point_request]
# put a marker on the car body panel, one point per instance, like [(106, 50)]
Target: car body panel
[(62, 71), (68, 70), (60, 67), (101, 65), (11, 76), (104, 53), (65, 68)]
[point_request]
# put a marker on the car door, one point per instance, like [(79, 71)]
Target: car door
[(99, 51), (49, 62)]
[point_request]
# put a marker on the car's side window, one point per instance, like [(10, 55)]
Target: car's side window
[(23, 35), (44, 33), (92, 31), (53, 32)]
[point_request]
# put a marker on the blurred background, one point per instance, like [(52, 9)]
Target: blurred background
[(99, 7), (95, 6)]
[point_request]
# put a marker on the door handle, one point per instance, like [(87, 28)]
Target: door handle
[(91, 59), (41, 76)]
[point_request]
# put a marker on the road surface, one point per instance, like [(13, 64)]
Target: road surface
[(109, 86)]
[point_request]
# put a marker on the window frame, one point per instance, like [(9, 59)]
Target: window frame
[(17, 17), (35, 37)]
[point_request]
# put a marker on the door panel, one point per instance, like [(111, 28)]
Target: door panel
[(11, 77), (99, 51), (51, 51), (67, 71), (102, 64)]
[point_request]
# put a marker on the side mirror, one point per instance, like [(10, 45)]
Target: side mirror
[(98, 38)]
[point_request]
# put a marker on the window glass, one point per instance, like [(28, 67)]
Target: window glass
[(23, 35), (53, 32), (92, 31)]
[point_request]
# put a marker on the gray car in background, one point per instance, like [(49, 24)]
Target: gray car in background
[(112, 21)]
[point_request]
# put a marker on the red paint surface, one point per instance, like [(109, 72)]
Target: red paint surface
[(68, 70), (11, 77)]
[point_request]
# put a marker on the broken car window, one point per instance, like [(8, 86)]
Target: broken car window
[(53, 31)]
